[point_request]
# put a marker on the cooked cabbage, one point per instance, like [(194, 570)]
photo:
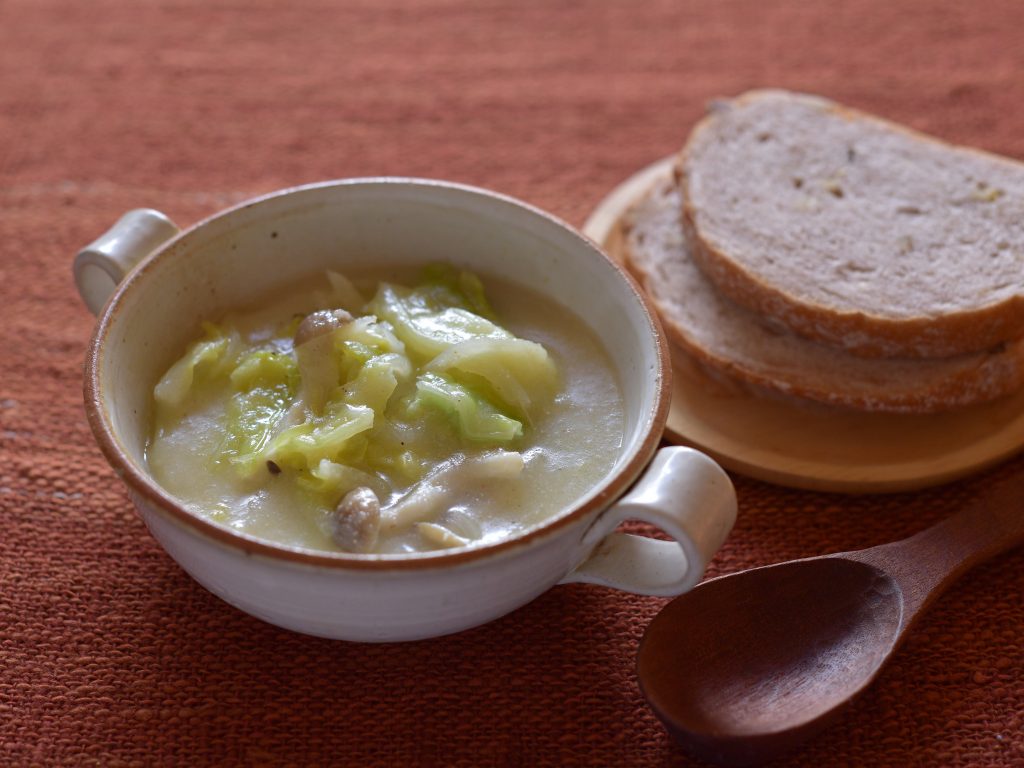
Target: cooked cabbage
[(307, 444), (393, 400), (426, 327), (205, 359), (266, 383), (518, 371), (477, 420)]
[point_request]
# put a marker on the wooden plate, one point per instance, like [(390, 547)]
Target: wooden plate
[(807, 445)]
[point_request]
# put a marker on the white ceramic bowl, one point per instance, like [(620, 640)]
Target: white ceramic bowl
[(243, 253)]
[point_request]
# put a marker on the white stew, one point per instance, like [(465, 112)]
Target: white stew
[(371, 416)]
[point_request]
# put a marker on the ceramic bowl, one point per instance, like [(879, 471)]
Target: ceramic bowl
[(162, 282)]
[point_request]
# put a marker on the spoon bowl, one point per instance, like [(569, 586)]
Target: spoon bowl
[(846, 615), (747, 666)]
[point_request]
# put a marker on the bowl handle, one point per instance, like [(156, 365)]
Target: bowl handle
[(685, 494), (102, 264)]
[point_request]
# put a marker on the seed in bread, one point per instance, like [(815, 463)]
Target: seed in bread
[(854, 230), (730, 339)]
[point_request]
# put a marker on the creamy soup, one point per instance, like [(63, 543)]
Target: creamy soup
[(389, 414)]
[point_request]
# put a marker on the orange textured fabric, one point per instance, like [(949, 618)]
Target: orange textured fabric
[(110, 655)]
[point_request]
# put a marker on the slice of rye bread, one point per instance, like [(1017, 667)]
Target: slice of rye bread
[(854, 230), (728, 338)]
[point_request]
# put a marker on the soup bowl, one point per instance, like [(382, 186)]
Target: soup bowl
[(152, 285)]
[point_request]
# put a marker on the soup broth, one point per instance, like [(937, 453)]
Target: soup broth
[(433, 418)]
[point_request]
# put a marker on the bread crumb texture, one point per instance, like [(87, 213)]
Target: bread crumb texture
[(733, 340), (854, 230)]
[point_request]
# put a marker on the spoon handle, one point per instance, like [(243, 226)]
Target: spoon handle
[(927, 563)]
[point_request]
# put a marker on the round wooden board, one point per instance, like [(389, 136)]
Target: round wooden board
[(807, 445)]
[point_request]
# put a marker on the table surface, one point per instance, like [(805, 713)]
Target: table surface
[(111, 655)]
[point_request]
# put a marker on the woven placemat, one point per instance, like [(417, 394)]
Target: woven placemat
[(110, 655)]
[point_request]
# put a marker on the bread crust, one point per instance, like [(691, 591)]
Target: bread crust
[(808, 369), (860, 332)]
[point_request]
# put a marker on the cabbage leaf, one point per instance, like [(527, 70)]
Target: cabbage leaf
[(426, 328), (204, 360), (474, 417), (266, 383), (325, 437), (519, 372)]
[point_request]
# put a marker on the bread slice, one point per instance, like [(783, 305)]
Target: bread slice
[(733, 340), (854, 230)]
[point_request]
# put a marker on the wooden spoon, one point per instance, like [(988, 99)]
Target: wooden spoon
[(749, 665)]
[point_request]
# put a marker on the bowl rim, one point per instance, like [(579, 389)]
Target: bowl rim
[(144, 485)]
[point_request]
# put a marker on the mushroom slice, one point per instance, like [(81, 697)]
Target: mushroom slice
[(320, 322), (314, 352), (440, 536), (439, 490), (355, 522)]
